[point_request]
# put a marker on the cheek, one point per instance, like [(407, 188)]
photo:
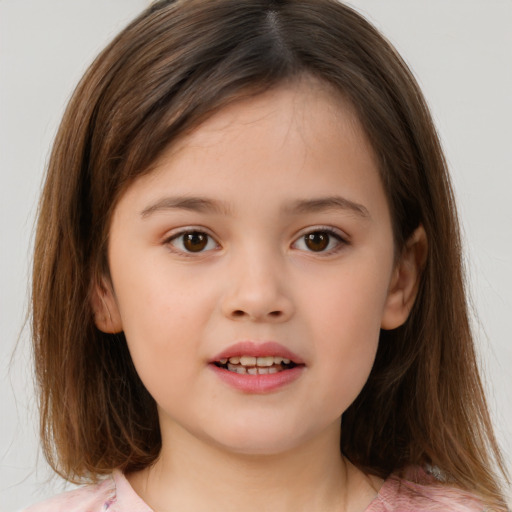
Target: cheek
[(162, 321), (350, 302), (348, 312), (153, 297), (346, 357), (163, 334)]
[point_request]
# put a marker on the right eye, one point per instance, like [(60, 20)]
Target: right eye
[(192, 242)]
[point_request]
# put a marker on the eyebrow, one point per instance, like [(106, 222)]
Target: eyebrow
[(328, 203), (194, 204), (204, 205)]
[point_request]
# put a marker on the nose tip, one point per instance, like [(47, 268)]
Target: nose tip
[(257, 293)]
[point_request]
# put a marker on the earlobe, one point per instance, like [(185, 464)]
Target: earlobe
[(106, 312), (405, 281)]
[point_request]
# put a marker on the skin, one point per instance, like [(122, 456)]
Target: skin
[(257, 279)]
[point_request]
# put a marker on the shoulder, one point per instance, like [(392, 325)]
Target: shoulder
[(418, 491), (114, 494), (90, 498)]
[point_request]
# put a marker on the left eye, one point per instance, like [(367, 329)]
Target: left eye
[(319, 241), (193, 242)]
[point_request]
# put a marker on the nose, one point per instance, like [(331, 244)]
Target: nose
[(257, 290)]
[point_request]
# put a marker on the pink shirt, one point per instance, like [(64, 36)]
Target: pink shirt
[(115, 494)]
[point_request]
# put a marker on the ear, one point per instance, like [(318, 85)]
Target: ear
[(405, 281), (104, 305)]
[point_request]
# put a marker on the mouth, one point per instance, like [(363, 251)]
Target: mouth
[(251, 365), (256, 368)]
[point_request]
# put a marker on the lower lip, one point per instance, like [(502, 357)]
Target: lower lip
[(258, 383)]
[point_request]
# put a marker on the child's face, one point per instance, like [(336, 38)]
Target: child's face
[(290, 242)]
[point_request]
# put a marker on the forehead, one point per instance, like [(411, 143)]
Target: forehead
[(300, 139), (306, 109), (298, 100)]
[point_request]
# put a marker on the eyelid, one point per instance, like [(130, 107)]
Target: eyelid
[(175, 234), (342, 238)]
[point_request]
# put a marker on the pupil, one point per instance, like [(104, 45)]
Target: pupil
[(195, 242), (317, 241)]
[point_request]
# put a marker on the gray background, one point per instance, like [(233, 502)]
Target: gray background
[(461, 53)]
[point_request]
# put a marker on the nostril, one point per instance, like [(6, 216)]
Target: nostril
[(239, 313)]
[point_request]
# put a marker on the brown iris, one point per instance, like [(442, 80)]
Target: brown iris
[(195, 242), (317, 241)]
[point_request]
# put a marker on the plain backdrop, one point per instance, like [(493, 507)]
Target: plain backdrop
[(461, 53)]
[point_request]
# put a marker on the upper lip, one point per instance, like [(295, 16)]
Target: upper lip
[(257, 349)]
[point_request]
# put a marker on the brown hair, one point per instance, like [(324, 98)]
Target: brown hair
[(167, 71)]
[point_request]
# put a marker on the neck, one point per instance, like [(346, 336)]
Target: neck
[(192, 474)]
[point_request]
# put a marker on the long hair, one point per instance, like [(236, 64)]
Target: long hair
[(171, 68)]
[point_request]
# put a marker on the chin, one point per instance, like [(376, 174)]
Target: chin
[(260, 442)]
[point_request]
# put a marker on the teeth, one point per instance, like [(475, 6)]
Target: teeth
[(237, 369), (250, 365), (265, 361), (254, 370), (247, 361)]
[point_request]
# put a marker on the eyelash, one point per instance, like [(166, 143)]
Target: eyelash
[(341, 241), (181, 234)]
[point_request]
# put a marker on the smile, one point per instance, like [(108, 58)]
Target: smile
[(257, 368), (251, 365)]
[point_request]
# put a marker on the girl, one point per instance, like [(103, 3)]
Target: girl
[(247, 282)]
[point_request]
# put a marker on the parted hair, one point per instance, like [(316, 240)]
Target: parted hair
[(171, 68)]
